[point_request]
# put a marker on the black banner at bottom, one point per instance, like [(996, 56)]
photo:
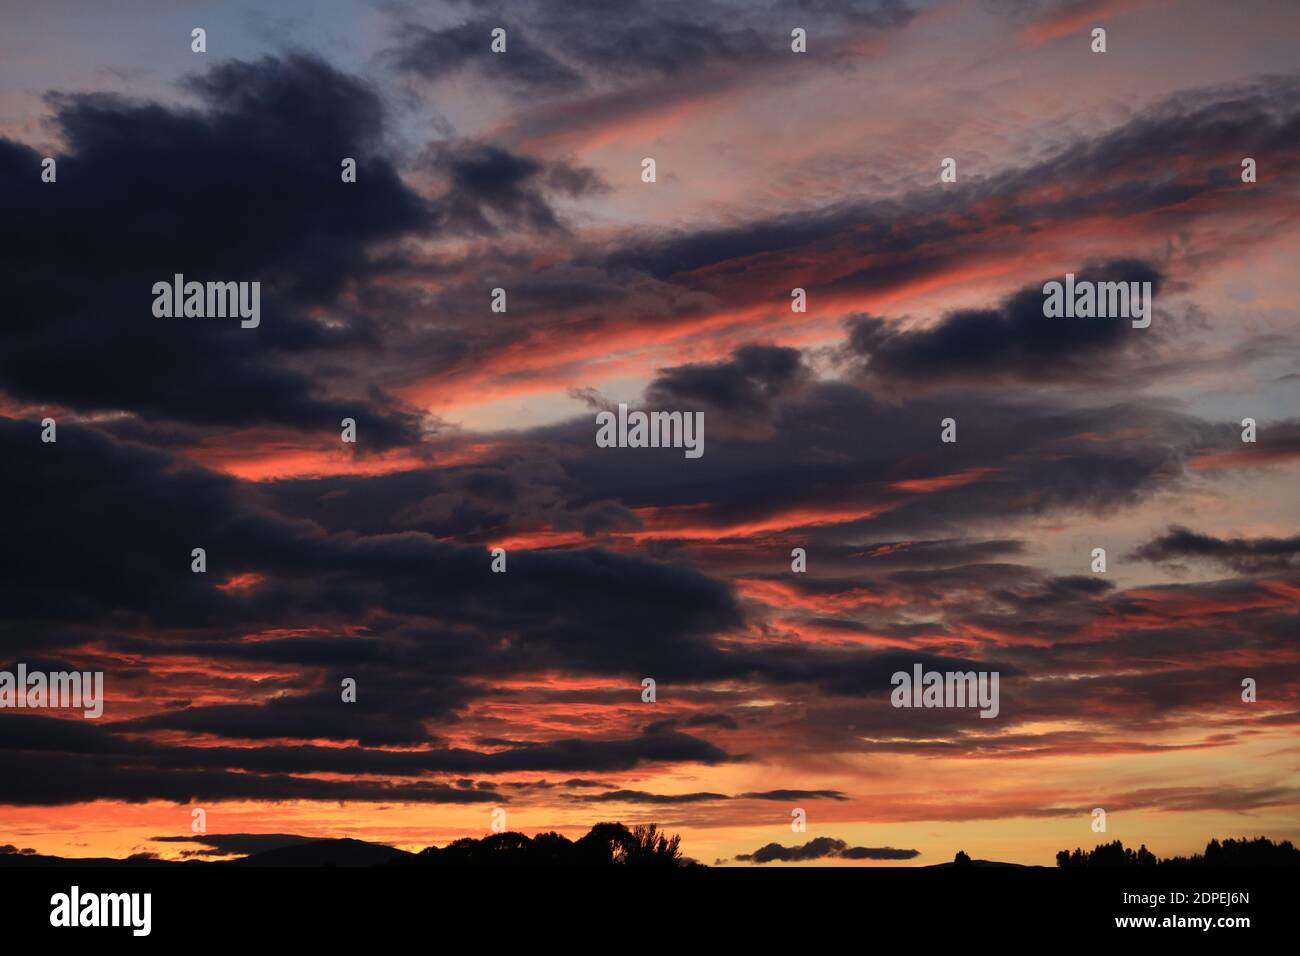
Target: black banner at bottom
[(139, 906)]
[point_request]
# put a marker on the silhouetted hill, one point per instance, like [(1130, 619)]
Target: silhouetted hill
[(345, 852), (615, 845), (607, 844), (982, 863), (32, 860)]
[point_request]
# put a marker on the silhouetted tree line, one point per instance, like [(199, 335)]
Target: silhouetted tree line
[(1260, 851), (608, 844)]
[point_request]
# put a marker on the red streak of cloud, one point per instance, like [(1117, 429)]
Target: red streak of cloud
[(242, 582), (943, 482), (1246, 458), (784, 595), (1078, 17)]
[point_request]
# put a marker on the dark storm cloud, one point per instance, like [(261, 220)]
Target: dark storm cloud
[(563, 755), (722, 721), (598, 517), (246, 188), (837, 448), (745, 385), (351, 652), (862, 247), (447, 502), (434, 54), (421, 683), (1054, 592), (641, 796), (561, 603), (854, 673), (883, 245), (797, 444), (947, 551), (489, 188), (583, 65), (1134, 703), (878, 13), (554, 610), (823, 848), (100, 492), (54, 779), (857, 247), (665, 46), (379, 717), (63, 761), (1012, 342), (1154, 660), (41, 733), (857, 566), (917, 553), (442, 601), (1244, 555), (555, 49), (1146, 661), (784, 795)]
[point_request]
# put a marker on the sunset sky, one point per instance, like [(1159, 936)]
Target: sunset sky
[(476, 429)]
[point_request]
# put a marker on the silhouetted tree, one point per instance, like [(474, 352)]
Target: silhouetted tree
[(1260, 851), (604, 844), (607, 844), (961, 859), (649, 847), (551, 849)]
